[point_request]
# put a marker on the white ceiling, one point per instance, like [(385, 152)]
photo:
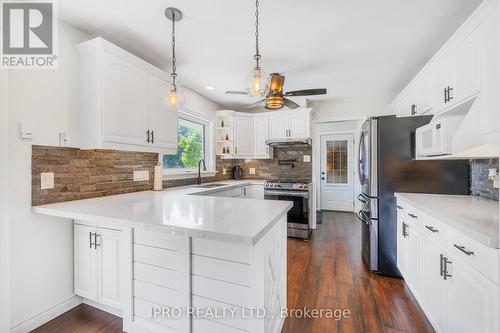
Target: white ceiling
[(351, 47)]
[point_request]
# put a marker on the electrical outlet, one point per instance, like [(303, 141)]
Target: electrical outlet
[(46, 180), (224, 171), (251, 171), (141, 175), (307, 158)]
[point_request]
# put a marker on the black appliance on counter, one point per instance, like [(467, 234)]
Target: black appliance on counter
[(237, 172), (299, 216), (386, 165)]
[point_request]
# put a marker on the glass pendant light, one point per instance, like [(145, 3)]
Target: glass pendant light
[(257, 80), (175, 97)]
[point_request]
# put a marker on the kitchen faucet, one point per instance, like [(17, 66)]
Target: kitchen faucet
[(198, 181)]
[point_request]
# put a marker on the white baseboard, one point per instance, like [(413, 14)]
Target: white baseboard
[(105, 308), (46, 316)]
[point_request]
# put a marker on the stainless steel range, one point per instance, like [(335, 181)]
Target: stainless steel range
[(300, 193)]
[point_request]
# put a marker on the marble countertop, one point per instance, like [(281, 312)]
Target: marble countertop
[(184, 209), (476, 217)]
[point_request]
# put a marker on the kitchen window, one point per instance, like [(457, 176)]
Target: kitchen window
[(193, 145)]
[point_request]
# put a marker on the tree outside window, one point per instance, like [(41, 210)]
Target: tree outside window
[(191, 149)]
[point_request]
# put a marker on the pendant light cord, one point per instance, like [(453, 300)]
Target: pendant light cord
[(257, 54), (174, 60)]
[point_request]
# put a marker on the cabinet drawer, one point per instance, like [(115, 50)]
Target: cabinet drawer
[(157, 275), (480, 257), (157, 257), (434, 229), (221, 291), (221, 250), (224, 270), (159, 239), (144, 310), (156, 294)]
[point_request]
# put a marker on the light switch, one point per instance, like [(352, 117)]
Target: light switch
[(307, 158), (46, 180), (26, 130), (141, 175), (251, 171)]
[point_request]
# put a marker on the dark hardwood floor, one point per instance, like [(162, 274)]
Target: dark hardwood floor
[(325, 272)]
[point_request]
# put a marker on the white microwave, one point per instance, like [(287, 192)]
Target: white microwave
[(435, 138)]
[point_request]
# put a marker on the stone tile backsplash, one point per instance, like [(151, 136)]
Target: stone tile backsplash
[(83, 174), (479, 184)]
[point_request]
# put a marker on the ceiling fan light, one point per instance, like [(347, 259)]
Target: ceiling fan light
[(274, 103), (257, 83)]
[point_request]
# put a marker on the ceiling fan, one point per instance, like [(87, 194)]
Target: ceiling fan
[(276, 98)]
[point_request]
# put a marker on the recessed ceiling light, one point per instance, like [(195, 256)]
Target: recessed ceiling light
[(210, 87)]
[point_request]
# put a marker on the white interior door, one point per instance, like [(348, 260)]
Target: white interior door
[(336, 173)]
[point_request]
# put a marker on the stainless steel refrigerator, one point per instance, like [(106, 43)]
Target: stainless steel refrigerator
[(387, 164)]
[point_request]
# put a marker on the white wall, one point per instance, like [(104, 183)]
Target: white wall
[(41, 259), (41, 262), (4, 216), (351, 108)]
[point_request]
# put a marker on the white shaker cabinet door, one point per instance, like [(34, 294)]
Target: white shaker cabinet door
[(278, 124), (436, 289), (473, 301), (466, 67), (109, 252), (243, 136), (299, 125), (85, 262), (261, 135), (162, 119), (414, 267), (442, 81), (124, 102)]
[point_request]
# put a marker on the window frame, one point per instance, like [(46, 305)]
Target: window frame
[(184, 173)]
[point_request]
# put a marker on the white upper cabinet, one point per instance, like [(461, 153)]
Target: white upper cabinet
[(162, 119), (121, 102), (290, 124), (278, 125), (462, 79), (243, 136), (124, 102), (261, 135)]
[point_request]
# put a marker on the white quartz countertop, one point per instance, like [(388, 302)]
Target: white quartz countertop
[(473, 216), (183, 209)]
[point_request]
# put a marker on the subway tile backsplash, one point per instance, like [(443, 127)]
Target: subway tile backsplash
[(479, 184)]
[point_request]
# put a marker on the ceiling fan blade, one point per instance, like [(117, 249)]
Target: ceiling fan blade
[(258, 103), (234, 92), (306, 92), (290, 104)]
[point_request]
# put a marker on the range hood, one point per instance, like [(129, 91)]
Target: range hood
[(291, 142)]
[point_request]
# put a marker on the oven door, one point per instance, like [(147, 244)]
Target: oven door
[(298, 215)]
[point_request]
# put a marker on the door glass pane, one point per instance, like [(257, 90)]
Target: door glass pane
[(336, 162)]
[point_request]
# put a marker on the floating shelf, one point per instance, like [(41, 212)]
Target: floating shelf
[(224, 128), (225, 141)]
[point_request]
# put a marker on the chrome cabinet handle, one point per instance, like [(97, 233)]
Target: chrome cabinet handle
[(445, 268), (462, 249), (445, 95), (450, 96), (413, 216), (95, 240), (147, 133), (431, 228), (405, 227), (441, 265), (152, 136), (90, 239)]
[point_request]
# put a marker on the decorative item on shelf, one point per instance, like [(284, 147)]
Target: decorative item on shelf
[(257, 81), (223, 150), (222, 123), (227, 150), (175, 97), (227, 137)]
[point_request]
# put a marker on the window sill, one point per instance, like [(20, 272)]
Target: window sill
[(187, 174)]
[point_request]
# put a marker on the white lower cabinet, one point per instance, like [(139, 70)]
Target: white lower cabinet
[(456, 296), (256, 191), (100, 260)]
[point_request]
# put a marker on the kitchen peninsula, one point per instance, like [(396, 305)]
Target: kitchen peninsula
[(140, 252)]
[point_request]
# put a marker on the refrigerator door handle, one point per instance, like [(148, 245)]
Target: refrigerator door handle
[(360, 158), (362, 216), (362, 199)]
